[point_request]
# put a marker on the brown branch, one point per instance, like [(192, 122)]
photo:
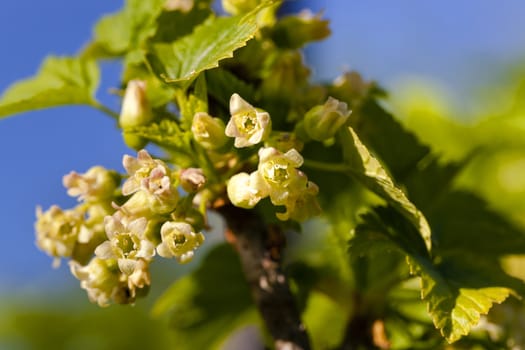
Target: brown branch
[(259, 251)]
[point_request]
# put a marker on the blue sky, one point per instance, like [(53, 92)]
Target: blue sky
[(459, 44)]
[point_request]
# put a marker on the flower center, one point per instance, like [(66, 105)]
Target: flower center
[(125, 243), (179, 239)]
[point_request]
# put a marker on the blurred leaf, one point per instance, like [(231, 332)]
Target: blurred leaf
[(430, 181), (59, 81), (62, 325), (214, 40), (206, 306), (293, 32), (377, 128), (462, 222), (324, 320), (172, 25), (367, 169), (125, 30)]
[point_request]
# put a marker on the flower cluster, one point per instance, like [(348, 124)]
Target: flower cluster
[(277, 175), (111, 246)]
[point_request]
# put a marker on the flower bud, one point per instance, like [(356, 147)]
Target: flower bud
[(351, 87), (208, 131), (192, 179), (295, 31), (249, 125), (322, 122), (243, 191), (135, 112)]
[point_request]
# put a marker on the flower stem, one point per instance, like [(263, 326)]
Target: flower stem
[(105, 110), (331, 167)]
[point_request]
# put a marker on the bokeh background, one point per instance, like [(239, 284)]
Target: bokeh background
[(453, 71)]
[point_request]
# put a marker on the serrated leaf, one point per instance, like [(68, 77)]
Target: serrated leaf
[(458, 286), (222, 84), (217, 38), (168, 134), (455, 310), (125, 30), (59, 81), (207, 305), (367, 169)]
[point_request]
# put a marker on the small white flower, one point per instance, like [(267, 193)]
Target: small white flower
[(249, 125), (100, 278), (152, 177), (126, 242), (179, 241), (97, 183), (57, 231)]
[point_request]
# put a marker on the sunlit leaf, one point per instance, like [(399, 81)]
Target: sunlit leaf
[(458, 287), (367, 169), (59, 81), (216, 39)]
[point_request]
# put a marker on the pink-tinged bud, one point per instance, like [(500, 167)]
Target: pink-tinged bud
[(192, 179)]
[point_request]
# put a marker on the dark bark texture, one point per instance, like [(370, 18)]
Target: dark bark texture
[(259, 248)]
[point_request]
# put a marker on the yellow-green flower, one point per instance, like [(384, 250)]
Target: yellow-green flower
[(179, 241), (248, 125), (96, 184)]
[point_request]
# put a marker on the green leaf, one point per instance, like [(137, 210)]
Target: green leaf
[(377, 128), (59, 81), (167, 133), (207, 305), (214, 40), (172, 25), (367, 169), (458, 286), (125, 30), (461, 218), (222, 84)]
